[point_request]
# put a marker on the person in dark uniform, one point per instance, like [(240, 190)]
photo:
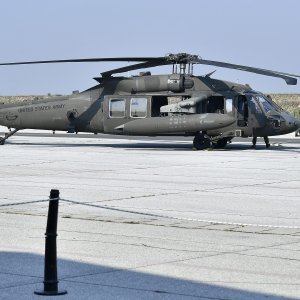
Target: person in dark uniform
[(266, 139)]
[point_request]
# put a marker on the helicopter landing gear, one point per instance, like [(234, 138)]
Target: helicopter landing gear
[(220, 144), (7, 135), (201, 141)]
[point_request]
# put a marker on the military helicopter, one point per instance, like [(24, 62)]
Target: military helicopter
[(213, 111)]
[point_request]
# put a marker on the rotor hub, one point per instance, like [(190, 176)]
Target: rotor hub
[(182, 59)]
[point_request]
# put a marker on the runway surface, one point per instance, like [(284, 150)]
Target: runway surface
[(145, 218)]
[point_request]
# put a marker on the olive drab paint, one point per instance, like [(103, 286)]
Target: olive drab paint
[(213, 111)]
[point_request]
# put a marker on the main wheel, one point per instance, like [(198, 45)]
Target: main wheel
[(201, 141), (2, 141), (220, 143)]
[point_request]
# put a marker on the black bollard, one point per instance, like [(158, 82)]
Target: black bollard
[(50, 271)]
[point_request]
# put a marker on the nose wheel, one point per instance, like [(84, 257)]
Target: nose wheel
[(201, 141)]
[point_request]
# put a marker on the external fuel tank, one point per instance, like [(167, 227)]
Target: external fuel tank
[(176, 124)]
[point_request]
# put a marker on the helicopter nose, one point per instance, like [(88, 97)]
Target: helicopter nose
[(289, 123)]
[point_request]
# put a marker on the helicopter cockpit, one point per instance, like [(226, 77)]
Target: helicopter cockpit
[(266, 103), (268, 115)]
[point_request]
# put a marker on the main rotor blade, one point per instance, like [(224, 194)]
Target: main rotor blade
[(180, 58), (76, 60), (133, 67), (289, 78)]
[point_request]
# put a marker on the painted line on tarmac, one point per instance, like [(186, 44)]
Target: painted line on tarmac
[(180, 218), (237, 224), (213, 222)]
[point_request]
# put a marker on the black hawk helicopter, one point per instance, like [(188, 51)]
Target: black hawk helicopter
[(213, 111)]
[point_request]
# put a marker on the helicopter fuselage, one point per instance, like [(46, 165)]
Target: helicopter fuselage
[(156, 105)]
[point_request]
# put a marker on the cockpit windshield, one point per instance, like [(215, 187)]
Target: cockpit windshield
[(266, 103), (261, 102), (267, 106)]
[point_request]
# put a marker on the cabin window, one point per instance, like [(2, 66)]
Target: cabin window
[(138, 107), (229, 105), (117, 108)]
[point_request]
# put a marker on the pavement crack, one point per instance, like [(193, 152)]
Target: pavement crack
[(268, 256), (140, 245)]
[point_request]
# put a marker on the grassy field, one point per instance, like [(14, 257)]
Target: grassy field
[(289, 102)]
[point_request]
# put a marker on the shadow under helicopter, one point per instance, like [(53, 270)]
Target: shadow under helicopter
[(161, 146), (22, 274)]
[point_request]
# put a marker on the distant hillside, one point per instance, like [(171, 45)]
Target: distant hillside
[(289, 102), (15, 99)]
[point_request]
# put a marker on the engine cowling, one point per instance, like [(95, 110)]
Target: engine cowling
[(153, 83)]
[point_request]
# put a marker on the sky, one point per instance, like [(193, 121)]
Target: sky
[(259, 33)]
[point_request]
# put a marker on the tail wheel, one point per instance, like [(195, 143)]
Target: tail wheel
[(201, 141)]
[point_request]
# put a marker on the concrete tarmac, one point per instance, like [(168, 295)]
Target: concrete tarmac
[(151, 218)]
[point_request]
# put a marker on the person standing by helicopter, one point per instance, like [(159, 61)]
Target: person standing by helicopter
[(266, 139)]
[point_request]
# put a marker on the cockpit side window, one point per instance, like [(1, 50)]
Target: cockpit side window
[(254, 106)]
